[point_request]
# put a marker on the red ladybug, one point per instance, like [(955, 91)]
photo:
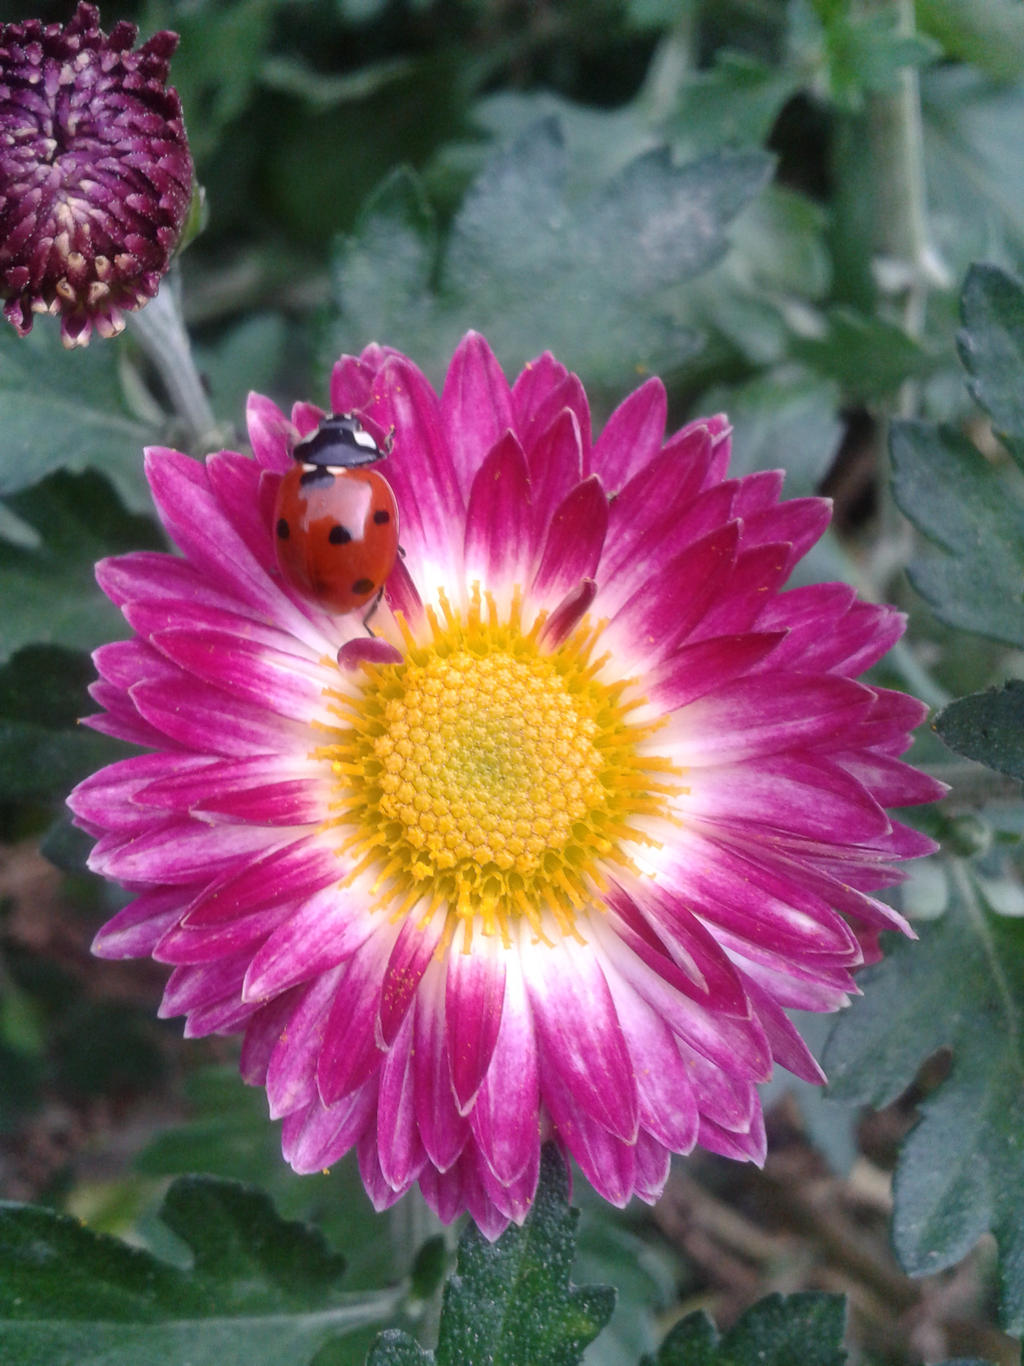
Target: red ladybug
[(336, 520)]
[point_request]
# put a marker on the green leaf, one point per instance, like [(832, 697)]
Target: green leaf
[(734, 104), (645, 1273), (248, 357), (48, 592), (43, 692), (961, 1170), (868, 356), (533, 266), (511, 1302), (218, 61), (973, 572), (991, 346), (860, 53), (973, 166), (989, 33), (259, 1291), (66, 410), (783, 417), (227, 1135), (989, 727), (777, 1331)]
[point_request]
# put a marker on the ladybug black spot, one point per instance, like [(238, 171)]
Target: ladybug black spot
[(362, 586), (283, 531), (339, 535), (382, 516)]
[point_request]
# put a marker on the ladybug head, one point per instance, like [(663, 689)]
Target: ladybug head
[(340, 441)]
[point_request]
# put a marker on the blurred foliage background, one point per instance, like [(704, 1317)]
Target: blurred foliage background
[(771, 203)]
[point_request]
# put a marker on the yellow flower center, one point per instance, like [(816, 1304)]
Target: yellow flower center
[(491, 777)]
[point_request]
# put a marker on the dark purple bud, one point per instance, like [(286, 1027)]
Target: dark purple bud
[(95, 172)]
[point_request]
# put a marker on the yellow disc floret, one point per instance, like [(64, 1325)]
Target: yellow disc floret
[(489, 777)]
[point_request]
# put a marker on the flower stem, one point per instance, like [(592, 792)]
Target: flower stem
[(905, 264), (160, 331)]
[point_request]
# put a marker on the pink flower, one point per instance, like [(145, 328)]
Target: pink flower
[(95, 172), (552, 855)]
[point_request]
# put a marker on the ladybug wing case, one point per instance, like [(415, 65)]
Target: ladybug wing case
[(337, 535)]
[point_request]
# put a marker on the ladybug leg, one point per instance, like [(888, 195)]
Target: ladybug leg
[(371, 609)]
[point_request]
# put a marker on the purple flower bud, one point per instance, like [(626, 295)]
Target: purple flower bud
[(95, 172)]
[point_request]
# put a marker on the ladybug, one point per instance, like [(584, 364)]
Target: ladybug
[(336, 519)]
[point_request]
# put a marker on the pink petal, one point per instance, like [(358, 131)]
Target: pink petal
[(286, 796), (653, 1163), (136, 929), (474, 992), (109, 798), (350, 1054), (414, 947), (807, 796), (579, 1035), (183, 944), (284, 873), (178, 852), (498, 547), (505, 1118), (316, 1136), (420, 470), (190, 512), (271, 435), (766, 713), (668, 1107), (400, 1150), (444, 1131), (540, 393), (291, 1069), (574, 538), (207, 719), (655, 621), (554, 459), (700, 668), (282, 683), (321, 934), (632, 435), (151, 575), (476, 404), (608, 1163)]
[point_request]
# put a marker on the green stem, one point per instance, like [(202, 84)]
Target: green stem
[(160, 332), (904, 261)]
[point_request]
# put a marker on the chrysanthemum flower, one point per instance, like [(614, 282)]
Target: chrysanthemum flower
[(553, 853), (95, 172)]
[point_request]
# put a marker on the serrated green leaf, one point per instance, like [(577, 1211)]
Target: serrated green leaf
[(511, 1301), (260, 1291), (972, 574), (227, 1135), (961, 1170), (395, 1348), (65, 410), (777, 1331), (989, 727), (991, 346), (534, 267)]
